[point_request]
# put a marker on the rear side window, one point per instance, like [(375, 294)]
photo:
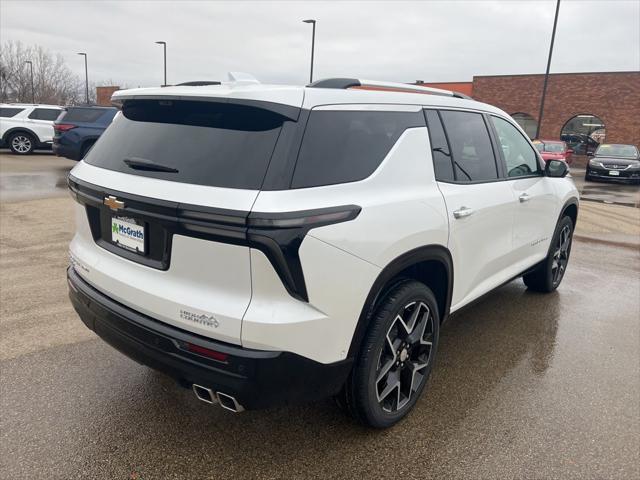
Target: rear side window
[(208, 143), (48, 114), (347, 146), (442, 164), (85, 115), (8, 112), (471, 149)]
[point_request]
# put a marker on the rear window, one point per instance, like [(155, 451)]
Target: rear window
[(347, 146), (85, 115), (8, 112), (209, 143)]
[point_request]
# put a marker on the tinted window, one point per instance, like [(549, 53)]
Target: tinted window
[(216, 144), (86, 115), (346, 146), (470, 146), (442, 164), (520, 158), (48, 114), (8, 112)]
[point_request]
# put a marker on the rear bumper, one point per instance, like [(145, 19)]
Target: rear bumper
[(71, 152), (256, 378)]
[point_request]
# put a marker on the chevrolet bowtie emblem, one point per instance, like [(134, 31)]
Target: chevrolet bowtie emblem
[(113, 203)]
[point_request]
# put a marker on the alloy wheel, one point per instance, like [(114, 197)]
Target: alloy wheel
[(561, 255), (405, 355), (21, 143)]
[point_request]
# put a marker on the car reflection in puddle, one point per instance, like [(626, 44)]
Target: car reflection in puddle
[(16, 187)]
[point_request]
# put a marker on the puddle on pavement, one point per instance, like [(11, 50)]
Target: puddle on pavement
[(614, 193), (15, 187)]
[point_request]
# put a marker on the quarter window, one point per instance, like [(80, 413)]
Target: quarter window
[(471, 150), (347, 146), (521, 160), (8, 112), (48, 114)]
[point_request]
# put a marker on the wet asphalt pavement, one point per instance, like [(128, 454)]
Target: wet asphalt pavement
[(619, 193), (525, 386), (40, 175)]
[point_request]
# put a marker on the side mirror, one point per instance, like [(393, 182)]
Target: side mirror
[(556, 169)]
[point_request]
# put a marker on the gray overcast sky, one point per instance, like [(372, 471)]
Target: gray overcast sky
[(400, 41)]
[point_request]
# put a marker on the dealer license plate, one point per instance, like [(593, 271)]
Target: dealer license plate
[(127, 233)]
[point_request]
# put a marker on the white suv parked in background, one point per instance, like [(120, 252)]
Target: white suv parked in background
[(271, 244), (25, 127)]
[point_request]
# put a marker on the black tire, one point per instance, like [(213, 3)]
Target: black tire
[(369, 394), (21, 143), (587, 177), (549, 274)]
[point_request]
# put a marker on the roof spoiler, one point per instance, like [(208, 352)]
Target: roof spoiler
[(346, 83)]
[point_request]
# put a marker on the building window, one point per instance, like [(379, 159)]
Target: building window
[(527, 122), (583, 133)]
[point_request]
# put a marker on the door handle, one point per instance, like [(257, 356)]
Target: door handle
[(524, 197), (462, 212)]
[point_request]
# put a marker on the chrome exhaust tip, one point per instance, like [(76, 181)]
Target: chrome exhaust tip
[(212, 398), (205, 394), (229, 403)]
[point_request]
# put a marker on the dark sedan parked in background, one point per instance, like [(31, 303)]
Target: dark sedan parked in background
[(615, 162), (78, 128)]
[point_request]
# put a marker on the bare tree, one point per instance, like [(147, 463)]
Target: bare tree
[(53, 81)]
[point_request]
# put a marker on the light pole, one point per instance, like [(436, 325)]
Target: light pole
[(86, 78), (546, 75), (164, 45), (33, 95), (313, 43)]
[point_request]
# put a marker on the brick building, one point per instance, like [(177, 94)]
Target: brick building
[(608, 101), (103, 95)]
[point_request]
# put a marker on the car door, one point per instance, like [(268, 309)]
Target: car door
[(535, 200), (40, 121), (479, 205)]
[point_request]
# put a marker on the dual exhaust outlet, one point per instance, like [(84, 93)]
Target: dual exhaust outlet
[(212, 398)]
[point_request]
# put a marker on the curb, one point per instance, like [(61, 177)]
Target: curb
[(611, 243)]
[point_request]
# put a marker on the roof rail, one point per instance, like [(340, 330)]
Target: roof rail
[(346, 83), (198, 83)]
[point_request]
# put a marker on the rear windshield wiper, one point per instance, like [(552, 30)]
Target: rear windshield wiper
[(138, 163)]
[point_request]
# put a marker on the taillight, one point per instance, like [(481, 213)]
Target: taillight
[(63, 127)]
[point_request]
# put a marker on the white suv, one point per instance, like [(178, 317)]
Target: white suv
[(25, 127), (271, 244)]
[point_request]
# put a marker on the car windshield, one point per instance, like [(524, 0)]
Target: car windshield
[(627, 151)]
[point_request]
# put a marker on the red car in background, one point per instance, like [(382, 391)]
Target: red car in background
[(554, 150)]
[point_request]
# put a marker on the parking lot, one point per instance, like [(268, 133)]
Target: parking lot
[(525, 385)]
